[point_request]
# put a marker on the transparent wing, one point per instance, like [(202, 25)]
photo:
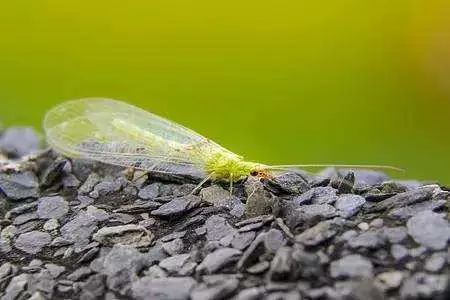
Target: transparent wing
[(114, 132)]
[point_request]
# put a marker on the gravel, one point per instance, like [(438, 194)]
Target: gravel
[(80, 230)]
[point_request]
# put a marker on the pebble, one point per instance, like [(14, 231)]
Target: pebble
[(318, 233), (55, 270), (282, 264), (425, 286), (134, 235), (51, 225), (317, 195), (89, 184), (390, 280), (163, 288), (436, 262), (16, 286), (32, 242), (351, 266), (173, 247), (19, 185), (349, 205), (259, 200), (218, 259), (120, 266), (19, 141), (177, 206), (404, 199), (395, 234), (150, 191), (217, 228), (242, 240), (269, 241), (399, 252), (52, 207), (218, 290), (404, 213), (80, 228), (368, 239), (430, 229), (174, 263)]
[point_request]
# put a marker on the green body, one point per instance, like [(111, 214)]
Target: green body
[(218, 163)]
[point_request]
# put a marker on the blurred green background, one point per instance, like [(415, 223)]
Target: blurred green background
[(276, 81)]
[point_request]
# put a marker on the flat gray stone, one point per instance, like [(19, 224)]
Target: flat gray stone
[(351, 266), (319, 233), (429, 229), (177, 206), (121, 266), (368, 239), (169, 288), (217, 228), (425, 286), (133, 235), (19, 141), (218, 259), (32, 242), (52, 207), (19, 185), (349, 205)]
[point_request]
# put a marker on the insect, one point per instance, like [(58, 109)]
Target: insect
[(118, 133)]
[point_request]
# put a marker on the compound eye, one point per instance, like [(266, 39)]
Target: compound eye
[(254, 173)]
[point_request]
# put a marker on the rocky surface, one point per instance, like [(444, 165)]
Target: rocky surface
[(73, 229)]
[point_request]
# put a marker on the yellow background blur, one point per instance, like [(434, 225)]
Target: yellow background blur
[(277, 81)]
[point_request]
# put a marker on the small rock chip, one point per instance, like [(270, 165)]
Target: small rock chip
[(19, 141), (131, 234), (55, 270), (310, 214), (52, 207), (121, 266), (317, 195), (32, 242), (349, 205), (390, 280), (173, 247), (174, 288), (174, 263), (89, 184), (425, 286), (430, 229), (80, 228), (19, 185), (353, 265), (218, 259), (319, 233), (399, 252), (177, 206), (217, 228), (242, 240), (282, 264), (218, 290), (150, 191), (395, 234), (368, 239), (51, 225), (16, 286), (404, 199), (436, 262), (259, 201)]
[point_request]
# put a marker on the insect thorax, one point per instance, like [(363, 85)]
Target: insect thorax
[(224, 166)]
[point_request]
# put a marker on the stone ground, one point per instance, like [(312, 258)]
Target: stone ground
[(79, 230)]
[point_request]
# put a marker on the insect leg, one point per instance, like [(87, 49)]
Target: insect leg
[(197, 188)]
